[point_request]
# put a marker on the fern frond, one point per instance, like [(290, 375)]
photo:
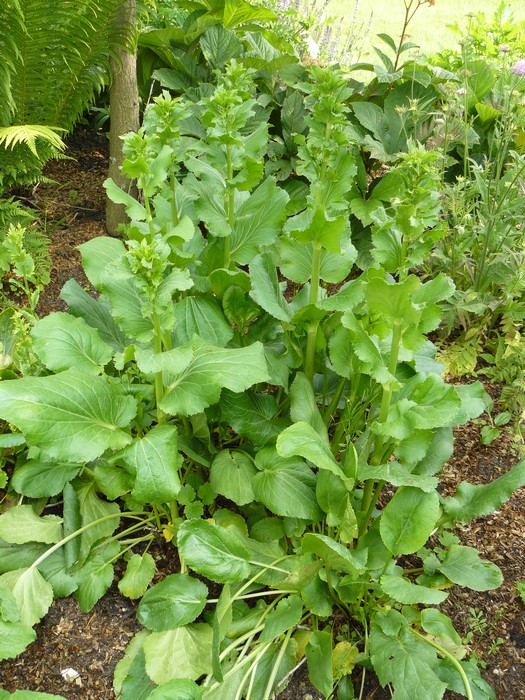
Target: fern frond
[(64, 57), (12, 30), (10, 136)]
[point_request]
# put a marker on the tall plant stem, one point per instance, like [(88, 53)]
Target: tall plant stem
[(371, 493), (229, 204), (159, 384), (311, 334)]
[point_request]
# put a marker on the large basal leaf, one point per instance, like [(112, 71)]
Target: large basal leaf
[(68, 416), (40, 479), (180, 688), (252, 415), (155, 459), (296, 261), (21, 524), (231, 475), (285, 615), (201, 316), (212, 369), (102, 517), (96, 575), (14, 638), (398, 657), (303, 440), (266, 290), (33, 594), (184, 652), (95, 312), (173, 602), (238, 12), (140, 570), (257, 221), (303, 406), (335, 555), (319, 656), (99, 255), (408, 593), (130, 680), (285, 486), (213, 551), (62, 342), (408, 520), (462, 565), (472, 500)]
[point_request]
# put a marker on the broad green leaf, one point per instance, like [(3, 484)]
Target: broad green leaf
[(21, 524), (219, 45), (33, 594), (134, 209), (113, 481), (266, 290), (472, 500), (439, 625), (303, 440), (231, 475), (252, 415), (333, 497), (408, 593), (336, 556), (96, 576), (97, 254), (54, 569), (408, 520), (212, 369), (398, 475), (479, 687), (155, 460), (40, 479), (180, 688), (173, 602), (213, 551), (319, 656), (62, 341), (296, 261), (365, 347), (17, 556), (102, 517), (399, 658), (31, 695), (462, 565), (130, 671), (14, 638), (286, 614), (140, 570), (184, 652), (95, 312), (237, 12), (303, 406), (388, 187), (201, 316), (68, 416), (257, 221), (285, 486), (317, 228), (222, 620)]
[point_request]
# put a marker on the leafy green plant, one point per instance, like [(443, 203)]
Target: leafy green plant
[(285, 434)]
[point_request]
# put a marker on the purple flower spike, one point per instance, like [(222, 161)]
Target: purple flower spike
[(519, 67)]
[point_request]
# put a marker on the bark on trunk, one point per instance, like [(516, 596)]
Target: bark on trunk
[(124, 116)]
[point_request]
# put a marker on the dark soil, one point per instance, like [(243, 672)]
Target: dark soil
[(92, 643)]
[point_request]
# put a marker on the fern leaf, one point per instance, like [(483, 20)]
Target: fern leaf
[(10, 136)]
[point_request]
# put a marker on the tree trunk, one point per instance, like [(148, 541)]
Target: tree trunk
[(124, 115)]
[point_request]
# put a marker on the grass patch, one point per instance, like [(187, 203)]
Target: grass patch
[(430, 27)]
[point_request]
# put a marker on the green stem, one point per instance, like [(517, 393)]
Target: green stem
[(229, 204), (451, 658), (311, 334), (78, 532), (159, 384), (275, 669), (370, 492), (334, 402)]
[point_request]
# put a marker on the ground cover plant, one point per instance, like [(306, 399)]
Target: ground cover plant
[(284, 434)]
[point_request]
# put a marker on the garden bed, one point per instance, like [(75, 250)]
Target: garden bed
[(92, 643)]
